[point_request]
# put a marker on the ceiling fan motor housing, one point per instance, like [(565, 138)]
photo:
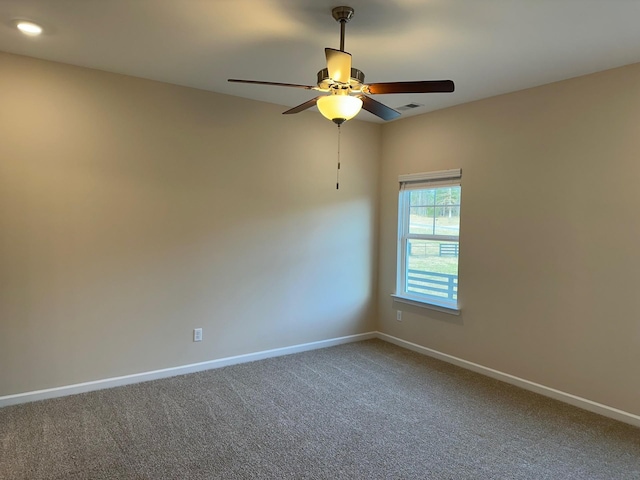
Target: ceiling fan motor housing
[(355, 84)]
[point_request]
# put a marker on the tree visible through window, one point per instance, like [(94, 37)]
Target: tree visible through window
[(429, 229)]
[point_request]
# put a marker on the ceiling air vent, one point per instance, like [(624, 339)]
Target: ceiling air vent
[(408, 106)]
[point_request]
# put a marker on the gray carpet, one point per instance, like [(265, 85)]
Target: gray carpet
[(366, 410)]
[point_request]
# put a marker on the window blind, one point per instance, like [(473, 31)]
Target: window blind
[(416, 181)]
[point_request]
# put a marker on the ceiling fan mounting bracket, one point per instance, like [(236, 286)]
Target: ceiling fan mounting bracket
[(342, 14)]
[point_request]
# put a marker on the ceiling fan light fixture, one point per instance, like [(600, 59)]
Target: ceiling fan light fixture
[(339, 108)]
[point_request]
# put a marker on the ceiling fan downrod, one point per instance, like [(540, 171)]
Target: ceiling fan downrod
[(342, 15)]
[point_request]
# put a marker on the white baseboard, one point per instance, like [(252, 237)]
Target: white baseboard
[(18, 398), (574, 400)]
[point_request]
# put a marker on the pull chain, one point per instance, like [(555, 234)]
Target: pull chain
[(338, 169)]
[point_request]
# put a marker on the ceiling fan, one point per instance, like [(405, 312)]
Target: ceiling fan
[(347, 92)]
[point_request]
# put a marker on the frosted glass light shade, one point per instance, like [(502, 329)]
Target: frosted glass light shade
[(339, 108)]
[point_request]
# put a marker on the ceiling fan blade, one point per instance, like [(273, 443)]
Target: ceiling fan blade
[(427, 86), (378, 109), (302, 106), (338, 64), (257, 82)]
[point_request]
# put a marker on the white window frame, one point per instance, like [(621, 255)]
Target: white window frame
[(419, 181)]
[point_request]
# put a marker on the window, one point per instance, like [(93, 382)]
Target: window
[(428, 238)]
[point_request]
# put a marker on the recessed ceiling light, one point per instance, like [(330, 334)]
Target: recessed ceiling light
[(29, 28)]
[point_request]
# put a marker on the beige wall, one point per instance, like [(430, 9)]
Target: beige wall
[(133, 211), (550, 233)]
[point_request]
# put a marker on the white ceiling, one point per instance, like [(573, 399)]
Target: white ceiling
[(487, 47)]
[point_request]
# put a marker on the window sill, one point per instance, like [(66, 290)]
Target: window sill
[(431, 305)]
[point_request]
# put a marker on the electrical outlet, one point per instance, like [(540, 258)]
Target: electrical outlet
[(399, 315), (197, 334)]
